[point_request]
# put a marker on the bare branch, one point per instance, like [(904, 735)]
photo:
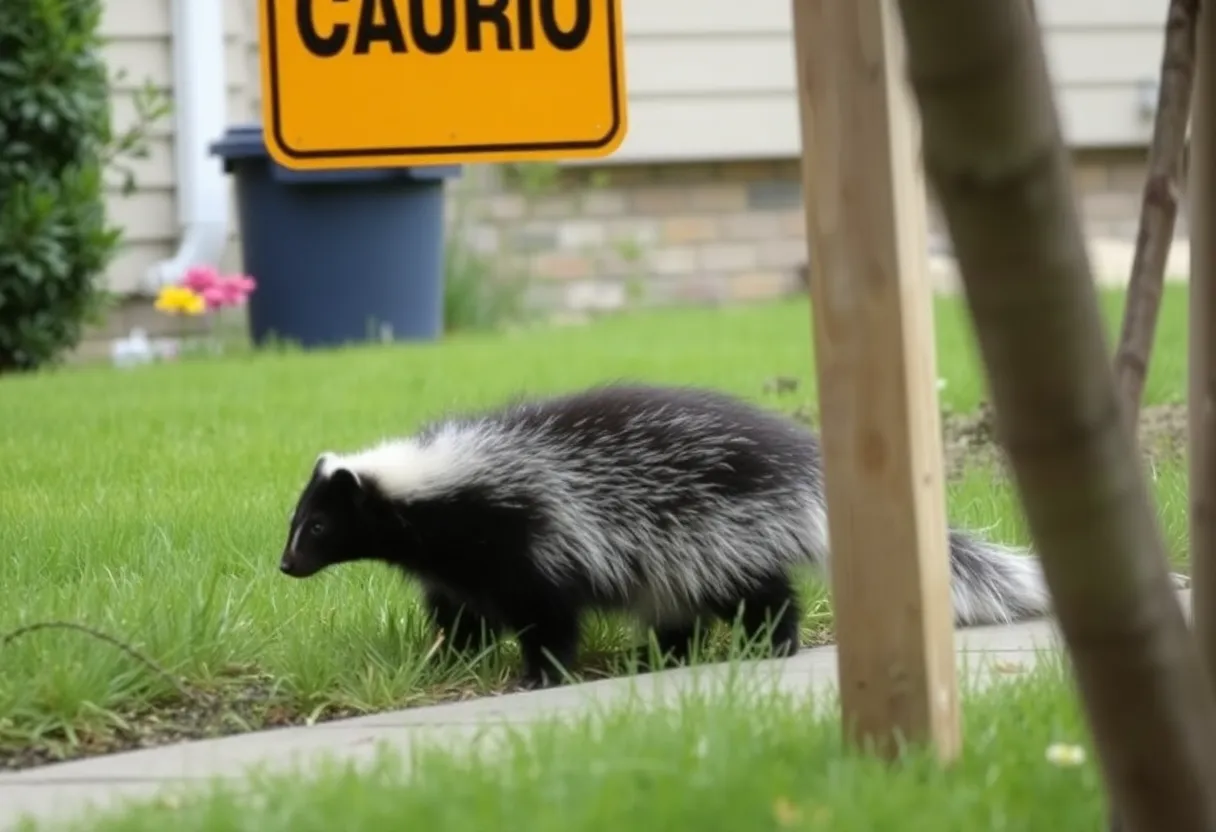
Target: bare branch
[(1160, 205)]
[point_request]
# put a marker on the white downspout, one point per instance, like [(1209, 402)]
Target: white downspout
[(200, 108)]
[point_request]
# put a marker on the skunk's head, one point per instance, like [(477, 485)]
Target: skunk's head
[(355, 506), (331, 522)]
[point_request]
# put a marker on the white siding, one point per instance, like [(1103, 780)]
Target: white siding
[(139, 41), (715, 79)]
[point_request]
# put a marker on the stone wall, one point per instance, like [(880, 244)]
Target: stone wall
[(596, 239), (644, 235), (609, 238)]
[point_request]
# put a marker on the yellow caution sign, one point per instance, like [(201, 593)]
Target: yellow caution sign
[(363, 83)]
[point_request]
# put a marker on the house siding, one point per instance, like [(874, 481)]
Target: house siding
[(139, 45), (715, 79), (702, 202)]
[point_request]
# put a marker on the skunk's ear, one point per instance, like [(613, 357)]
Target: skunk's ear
[(348, 483), (323, 462)]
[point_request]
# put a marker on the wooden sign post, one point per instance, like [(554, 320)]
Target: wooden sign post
[(875, 359), (370, 83)]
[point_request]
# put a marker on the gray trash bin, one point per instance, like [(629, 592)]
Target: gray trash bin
[(339, 256)]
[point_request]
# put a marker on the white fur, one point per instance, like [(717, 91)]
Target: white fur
[(980, 599), (409, 468)]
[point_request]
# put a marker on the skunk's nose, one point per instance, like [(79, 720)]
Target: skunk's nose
[(286, 566)]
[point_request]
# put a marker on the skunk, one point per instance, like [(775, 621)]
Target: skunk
[(678, 505)]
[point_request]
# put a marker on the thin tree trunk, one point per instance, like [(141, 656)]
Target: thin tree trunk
[(995, 157), (1158, 212), (1201, 394), (1160, 206)]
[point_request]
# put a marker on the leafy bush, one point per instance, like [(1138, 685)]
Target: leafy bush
[(478, 293), (474, 297), (55, 140)]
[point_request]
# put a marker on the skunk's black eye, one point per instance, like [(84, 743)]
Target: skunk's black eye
[(317, 528)]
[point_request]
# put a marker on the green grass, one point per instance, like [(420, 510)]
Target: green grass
[(152, 504), (740, 760)]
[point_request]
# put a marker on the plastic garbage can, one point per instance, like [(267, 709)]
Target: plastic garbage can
[(340, 256)]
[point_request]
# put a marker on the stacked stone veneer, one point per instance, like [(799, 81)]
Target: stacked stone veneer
[(609, 238)]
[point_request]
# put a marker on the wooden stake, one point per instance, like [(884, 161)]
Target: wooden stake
[(875, 360)]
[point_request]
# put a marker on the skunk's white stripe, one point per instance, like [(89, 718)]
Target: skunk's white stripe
[(410, 468)]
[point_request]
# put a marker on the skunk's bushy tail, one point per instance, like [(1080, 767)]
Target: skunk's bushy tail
[(994, 584)]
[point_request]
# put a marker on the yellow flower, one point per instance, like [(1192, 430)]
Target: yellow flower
[(1065, 754), (195, 305), (180, 300)]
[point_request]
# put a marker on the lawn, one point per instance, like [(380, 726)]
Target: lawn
[(743, 760), (152, 504)]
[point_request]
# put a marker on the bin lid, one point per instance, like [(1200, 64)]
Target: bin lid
[(241, 141), (245, 141)]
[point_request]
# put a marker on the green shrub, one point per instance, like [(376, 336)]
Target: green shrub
[(55, 136), (479, 293), (474, 297)]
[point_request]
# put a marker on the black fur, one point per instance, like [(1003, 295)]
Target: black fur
[(471, 551), (679, 505)]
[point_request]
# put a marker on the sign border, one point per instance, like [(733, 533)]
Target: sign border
[(439, 150)]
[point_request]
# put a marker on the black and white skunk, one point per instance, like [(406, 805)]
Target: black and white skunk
[(678, 505)]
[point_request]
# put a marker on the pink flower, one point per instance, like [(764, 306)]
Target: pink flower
[(236, 289), (246, 284), (199, 279), (218, 291), (215, 297)]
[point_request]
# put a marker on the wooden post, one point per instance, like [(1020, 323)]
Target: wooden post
[(1201, 394), (875, 360)]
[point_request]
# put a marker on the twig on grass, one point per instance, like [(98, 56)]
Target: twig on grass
[(182, 687)]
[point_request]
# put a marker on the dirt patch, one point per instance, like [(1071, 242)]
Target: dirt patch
[(253, 707), (238, 709), (969, 440)]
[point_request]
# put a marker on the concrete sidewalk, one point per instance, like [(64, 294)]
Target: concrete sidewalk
[(59, 791)]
